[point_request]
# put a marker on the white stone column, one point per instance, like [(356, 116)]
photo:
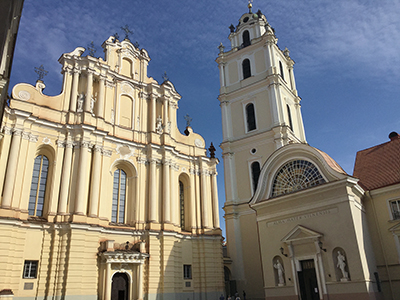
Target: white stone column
[(140, 282), (174, 198), (95, 182), (89, 90), (214, 189), (166, 192), (165, 113), (100, 101), (152, 113), (107, 289), (204, 197), (226, 120), (65, 178), (81, 196), (74, 93), (230, 176), (5, 143), (192, 199), (152, 192), (11, 169)]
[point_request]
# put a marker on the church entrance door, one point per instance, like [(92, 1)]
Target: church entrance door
[(120, 287), (308, 280)]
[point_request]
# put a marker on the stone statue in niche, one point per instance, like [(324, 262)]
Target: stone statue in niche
[(278, 266), (159, 126), (92, 102), (81, 99), (342, 265)]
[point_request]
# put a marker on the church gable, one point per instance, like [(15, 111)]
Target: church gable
[(301, 233), (293, 168)]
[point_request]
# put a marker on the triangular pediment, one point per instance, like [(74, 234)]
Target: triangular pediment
[(301, 233)]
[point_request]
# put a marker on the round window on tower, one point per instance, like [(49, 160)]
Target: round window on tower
[(245, 19), (253, 151)]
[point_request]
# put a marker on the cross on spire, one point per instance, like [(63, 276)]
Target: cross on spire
[(41, 72), (188, 120), (91, 48), (250, 5), (127, 31)]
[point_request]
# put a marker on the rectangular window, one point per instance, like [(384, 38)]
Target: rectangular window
[(30, 269), (187, 271), (395, 209)]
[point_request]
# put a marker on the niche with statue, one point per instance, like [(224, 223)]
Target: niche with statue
[(341, 264), (279, 271)]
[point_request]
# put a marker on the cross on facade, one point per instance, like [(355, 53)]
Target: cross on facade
[(165, 76), (127, 31), (41, 72), (188, 120), (92, 49)]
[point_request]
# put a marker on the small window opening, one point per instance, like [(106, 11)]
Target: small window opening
[(246, 69), (251, 118), (246, 38), (255, 174), (187, 271), (30, 269), (281, 69), (289, 117)]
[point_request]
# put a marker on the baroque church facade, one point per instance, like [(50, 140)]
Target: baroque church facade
[(298, 226), (102, 197)]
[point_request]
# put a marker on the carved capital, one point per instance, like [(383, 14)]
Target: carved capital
[(86, 144), (69, 144), (25, 135), (60, 143), (106, 153), (17, 132), (33, 138), (98, 148), (7, 130), (142, 160)]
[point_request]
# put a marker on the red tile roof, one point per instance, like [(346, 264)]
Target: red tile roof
[(379, 166)]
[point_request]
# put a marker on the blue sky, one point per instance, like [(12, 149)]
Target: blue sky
[(346, 53)]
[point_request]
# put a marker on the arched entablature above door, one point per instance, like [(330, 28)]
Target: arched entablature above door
[(295, 167)]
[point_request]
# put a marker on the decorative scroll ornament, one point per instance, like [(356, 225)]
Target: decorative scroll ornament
[(24, 95)]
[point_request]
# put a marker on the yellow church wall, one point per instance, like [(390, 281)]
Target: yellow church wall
[(84, 149)]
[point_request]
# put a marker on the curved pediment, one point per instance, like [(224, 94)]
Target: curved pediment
[(295, 167)]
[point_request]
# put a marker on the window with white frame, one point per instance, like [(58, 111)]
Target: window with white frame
[(38, 186), (395, 209), (119, 197), (187, 271), (30, 269)]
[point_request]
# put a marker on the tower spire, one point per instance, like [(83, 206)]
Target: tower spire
[(250, 6)]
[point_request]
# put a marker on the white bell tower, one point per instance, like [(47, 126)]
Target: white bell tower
[(260, 113)]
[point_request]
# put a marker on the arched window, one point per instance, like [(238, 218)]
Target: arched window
[(250, 117), (281, 69), (246, 68), (38, 186), (119, 197), (294, 176), (289, 117), (255, 174), (246, 38), (182, 203)]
